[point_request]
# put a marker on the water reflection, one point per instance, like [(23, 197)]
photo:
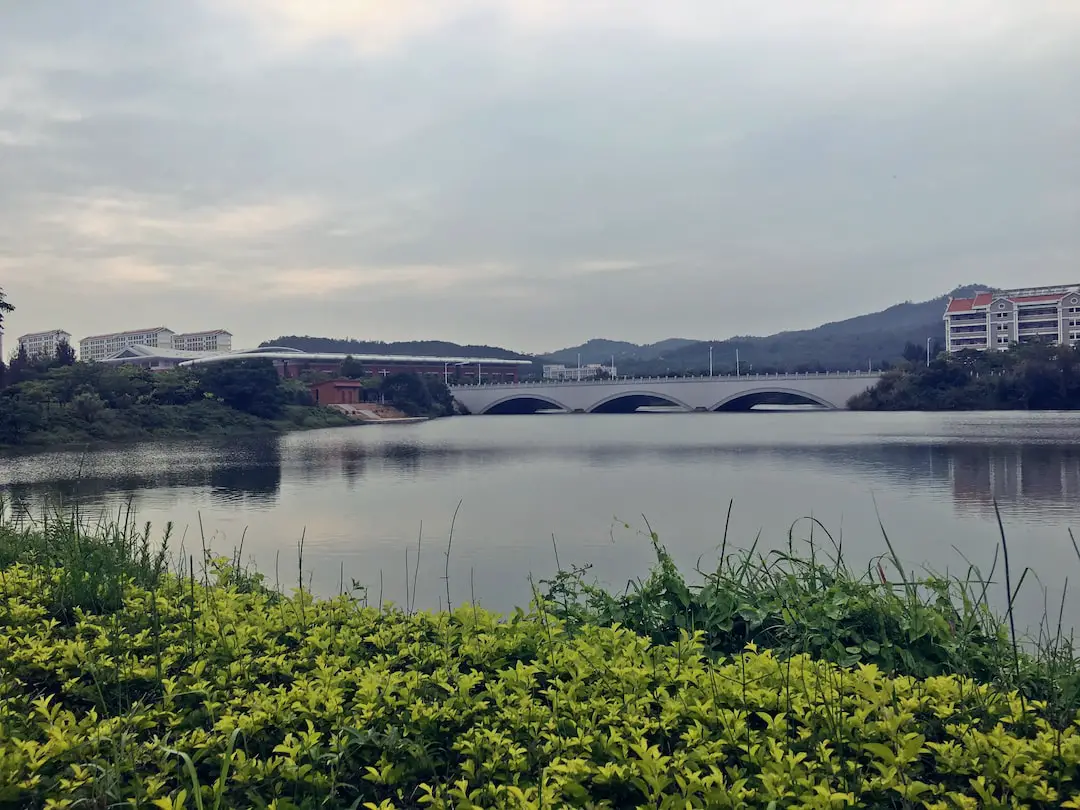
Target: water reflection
[(249, 474)]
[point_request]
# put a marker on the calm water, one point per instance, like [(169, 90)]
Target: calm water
[(361, 494)]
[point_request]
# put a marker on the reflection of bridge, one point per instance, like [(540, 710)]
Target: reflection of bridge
[(625, 395)]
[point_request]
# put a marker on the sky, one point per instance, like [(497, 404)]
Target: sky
[(528, 173)]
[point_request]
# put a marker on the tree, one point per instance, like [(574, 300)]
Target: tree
[(912, 352), (5, 307), (252, 386), (65, 354), (408, 393), (352, 369)]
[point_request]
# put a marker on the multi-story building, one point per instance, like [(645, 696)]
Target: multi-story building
[(43, 344), (998, 319), (98, 347), (587, 372), (216, 340)]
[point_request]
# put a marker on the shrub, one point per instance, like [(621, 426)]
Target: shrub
[(219, 693)]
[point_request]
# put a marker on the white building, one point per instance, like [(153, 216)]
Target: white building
[(215, 340), (43, 344), (99, 347), (996, 320), (155, 359), (587, 372)]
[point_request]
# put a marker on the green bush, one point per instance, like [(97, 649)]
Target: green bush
[(218, 693)]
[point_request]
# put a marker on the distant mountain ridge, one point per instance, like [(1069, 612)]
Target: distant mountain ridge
[(441, 348), (599, 350), (854, 343)]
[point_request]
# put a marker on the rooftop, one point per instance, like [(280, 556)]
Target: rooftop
[(154, 352), (129, 332), (292, 355), (47, 333)]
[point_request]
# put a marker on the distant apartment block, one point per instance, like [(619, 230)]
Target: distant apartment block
[(43, 344), (216, 340), (99, 347), (997, 320), (589, 372)]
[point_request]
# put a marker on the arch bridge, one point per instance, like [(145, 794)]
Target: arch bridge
[(826, 390)]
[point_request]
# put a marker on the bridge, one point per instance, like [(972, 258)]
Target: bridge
[(830, 390)]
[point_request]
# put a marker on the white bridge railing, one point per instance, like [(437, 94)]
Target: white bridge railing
[(804, 375)]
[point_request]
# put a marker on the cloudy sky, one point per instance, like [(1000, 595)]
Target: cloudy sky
[(528, 173)]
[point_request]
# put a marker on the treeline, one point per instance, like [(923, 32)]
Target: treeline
[(1030, 377), (52, 401)]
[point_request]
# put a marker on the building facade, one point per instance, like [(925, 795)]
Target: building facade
[(997, 320), (100, 347), (43, 344), (587, 372), (215, 340)]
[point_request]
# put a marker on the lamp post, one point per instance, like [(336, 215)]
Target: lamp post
[(710, 361), (928, 340), (738, 368)]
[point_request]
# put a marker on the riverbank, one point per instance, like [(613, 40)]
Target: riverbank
[(130, 680), (197, 421), (1026, 377)]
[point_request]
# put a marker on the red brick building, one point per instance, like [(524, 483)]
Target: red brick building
[(338, 392)]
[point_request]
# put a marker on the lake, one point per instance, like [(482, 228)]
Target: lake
[(362, 497)]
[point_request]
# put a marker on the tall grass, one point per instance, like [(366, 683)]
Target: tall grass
[(812, 602), (792, 601)]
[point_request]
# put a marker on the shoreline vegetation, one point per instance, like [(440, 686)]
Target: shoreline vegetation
[(1025, 377), (57, 401), (139, 674)]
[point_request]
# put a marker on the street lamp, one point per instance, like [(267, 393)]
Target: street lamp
[(710, 361), (928, 340)]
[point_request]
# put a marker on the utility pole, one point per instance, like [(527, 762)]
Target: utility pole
[(738, 367), (579, 367), (710, 361)]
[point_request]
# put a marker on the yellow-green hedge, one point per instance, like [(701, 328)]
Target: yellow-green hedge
[(210, 697)]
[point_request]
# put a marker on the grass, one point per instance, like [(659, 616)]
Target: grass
[(137, 672)]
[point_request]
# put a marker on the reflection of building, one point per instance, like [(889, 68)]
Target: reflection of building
[(98, 347), (43, 344), (587, 372), (996, 320), (981, 475)]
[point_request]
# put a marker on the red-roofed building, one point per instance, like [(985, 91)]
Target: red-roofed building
[(997, 320)]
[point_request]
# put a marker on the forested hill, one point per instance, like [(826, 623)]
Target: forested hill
[(440, 348), (851, 344)]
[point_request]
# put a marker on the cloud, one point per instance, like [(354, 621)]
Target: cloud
[(529, 173)]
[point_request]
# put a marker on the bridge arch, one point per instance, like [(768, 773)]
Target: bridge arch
[(522, 403), (731, 403), (629, 401)]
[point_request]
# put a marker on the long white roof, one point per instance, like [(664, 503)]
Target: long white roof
[(276, 353)]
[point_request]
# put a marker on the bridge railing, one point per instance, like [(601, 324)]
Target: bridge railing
[(803, 375)]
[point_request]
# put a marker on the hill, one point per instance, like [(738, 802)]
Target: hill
[(441, 348), (874, 339), (599, 350)]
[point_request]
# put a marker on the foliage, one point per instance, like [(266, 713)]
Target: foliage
[(1026, 377), (6, 307), (352, 369), (208, 690), (54, 403), (416, 395), (926, 627)]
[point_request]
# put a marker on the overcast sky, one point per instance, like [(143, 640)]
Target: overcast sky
[(528, 173)]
